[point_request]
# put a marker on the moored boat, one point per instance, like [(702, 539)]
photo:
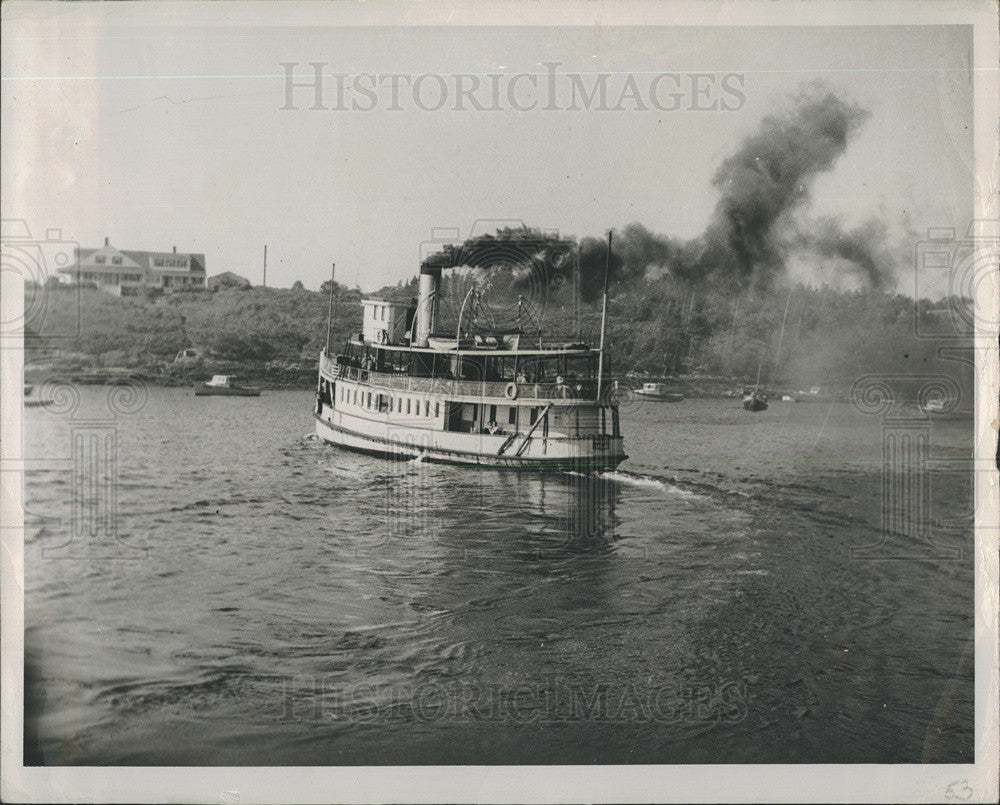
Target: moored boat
[(943, 408), (224, 386), (659, 392), (474, 399), (753, 400)]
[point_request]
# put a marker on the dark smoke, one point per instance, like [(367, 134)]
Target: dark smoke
[(864, 248), (528, 259), (751, 232)]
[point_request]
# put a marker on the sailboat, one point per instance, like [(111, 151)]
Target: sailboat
[(754, 399)]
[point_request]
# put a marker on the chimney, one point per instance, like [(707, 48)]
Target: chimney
[(427, 304), (105, 241), (175, 250)]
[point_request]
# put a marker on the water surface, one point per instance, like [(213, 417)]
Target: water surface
[(728, 595)]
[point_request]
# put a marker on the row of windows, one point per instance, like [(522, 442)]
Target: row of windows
[(110, 279), (159, 262), (169, 281), (481, 418), (387, 403)]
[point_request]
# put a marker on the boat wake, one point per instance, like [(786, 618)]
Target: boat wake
[(644, 481)]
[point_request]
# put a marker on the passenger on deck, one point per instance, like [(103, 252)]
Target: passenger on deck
[(562, 389), (493, 427)]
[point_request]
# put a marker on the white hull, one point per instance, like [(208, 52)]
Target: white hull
[(400, 441)]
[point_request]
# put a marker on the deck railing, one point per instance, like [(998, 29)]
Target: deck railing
[(461, 388)]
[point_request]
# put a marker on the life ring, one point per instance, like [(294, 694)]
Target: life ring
[(511, 391)]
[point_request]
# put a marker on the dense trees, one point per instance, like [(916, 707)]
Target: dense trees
[(794, 335)]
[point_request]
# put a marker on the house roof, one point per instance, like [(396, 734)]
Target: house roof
[(107, 251), (134, 259), (146, 258)]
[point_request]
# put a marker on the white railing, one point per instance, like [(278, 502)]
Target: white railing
[(457, 388)]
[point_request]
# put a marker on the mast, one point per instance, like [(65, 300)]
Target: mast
[(604, 317), (781, 337), (329, 315)]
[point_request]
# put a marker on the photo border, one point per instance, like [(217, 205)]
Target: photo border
[(668, 783)]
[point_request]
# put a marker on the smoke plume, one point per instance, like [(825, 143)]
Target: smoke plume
[(762, 186), (756, 225)]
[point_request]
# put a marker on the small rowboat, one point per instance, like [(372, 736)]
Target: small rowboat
[(754, 401)]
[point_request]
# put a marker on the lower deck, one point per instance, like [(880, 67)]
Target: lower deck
[(485, 431)]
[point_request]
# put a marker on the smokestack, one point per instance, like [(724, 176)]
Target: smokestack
[(175, 250), (427, 304), (105, 240)]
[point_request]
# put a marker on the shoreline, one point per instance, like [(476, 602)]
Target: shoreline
[(301, 375)]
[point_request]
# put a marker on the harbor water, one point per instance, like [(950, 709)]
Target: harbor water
[(209, 584)]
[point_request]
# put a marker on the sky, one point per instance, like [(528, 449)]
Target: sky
[(160, 130)]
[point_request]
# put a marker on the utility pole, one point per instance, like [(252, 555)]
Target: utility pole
[(265, 265)]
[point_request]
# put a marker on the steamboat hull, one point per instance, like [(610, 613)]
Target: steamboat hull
[(402, 451)]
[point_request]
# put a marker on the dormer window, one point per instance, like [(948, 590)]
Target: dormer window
[(116, 261), (99, 259)]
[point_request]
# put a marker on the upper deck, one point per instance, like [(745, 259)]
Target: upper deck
[(399, 348), (553, 374)]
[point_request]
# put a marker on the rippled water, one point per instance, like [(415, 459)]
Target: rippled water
[(260, 597)]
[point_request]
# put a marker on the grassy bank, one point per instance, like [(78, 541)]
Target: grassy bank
[(791, 337)]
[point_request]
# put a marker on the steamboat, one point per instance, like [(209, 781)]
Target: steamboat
[(472, 397)]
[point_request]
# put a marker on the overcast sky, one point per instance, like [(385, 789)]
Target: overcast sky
[(156, 135)]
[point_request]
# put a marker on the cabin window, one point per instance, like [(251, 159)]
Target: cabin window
[(615, 429), (604, 420), (534, 416), (512, 415), (392, 404), (407, 405), (493, 413), (427, 407), (355, 397), (590, 421), (437, 410)]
